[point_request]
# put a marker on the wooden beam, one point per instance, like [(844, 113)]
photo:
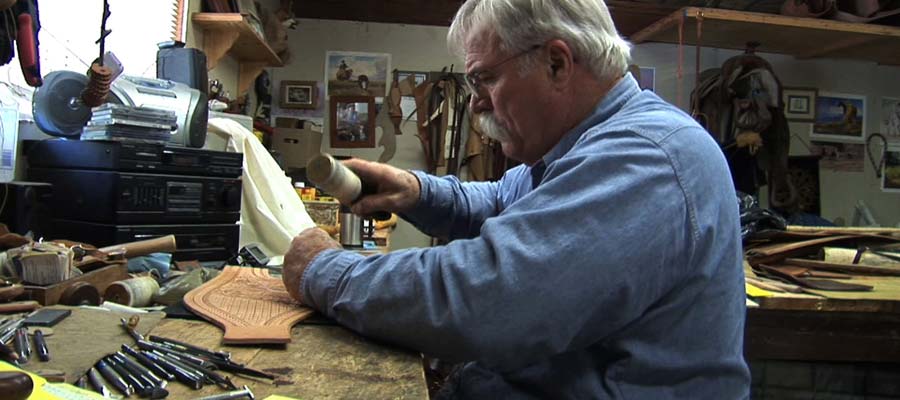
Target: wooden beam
[(412, 12), (629, 16)]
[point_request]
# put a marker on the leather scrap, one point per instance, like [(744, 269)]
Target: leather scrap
[(389, 130), (813, 283), (803, 272)]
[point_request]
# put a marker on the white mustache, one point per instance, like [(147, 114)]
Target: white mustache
[(491, 128)]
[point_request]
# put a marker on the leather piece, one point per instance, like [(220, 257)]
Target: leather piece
[(803, 272), (250, 305), (814, 283)]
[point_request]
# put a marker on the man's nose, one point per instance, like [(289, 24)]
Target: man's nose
[(479, 104)]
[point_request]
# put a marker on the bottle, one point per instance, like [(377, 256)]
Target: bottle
[(333, 177)]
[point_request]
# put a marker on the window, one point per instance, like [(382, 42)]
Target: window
[(70, 28)]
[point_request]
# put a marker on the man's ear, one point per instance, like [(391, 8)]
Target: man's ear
[(561, 61)]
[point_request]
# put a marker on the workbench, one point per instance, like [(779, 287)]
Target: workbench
[(322, 361), (833, 330)]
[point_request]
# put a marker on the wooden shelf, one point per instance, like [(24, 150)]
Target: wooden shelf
[(229, 33), (801, 37)]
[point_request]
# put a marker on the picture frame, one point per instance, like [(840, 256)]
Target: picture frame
[(890, 118), (890, 176), (351, 73), (839, 117), (352, 121), (799, 103), (298, 95)]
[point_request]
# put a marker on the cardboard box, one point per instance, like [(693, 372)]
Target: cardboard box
[(297, 146)]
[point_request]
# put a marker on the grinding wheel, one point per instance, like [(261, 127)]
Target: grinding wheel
[(80, 294)]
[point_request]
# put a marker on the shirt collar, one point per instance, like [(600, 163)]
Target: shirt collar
[(620, 93)]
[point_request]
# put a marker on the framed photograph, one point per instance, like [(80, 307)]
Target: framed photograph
[(890, 118), (298, 94), (352, 121), (350, 73), (890, 178), (839, 118), (799, 103)]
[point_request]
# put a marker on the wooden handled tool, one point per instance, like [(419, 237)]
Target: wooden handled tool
[(19, 306), (163, 244)]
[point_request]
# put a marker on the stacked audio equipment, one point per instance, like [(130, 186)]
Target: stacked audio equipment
[(110, 192)]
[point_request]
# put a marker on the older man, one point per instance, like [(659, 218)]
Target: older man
[(608, 265)]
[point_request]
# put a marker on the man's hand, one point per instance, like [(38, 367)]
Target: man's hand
[(305, 246), (398, 190)]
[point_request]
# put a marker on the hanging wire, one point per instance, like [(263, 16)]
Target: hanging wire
[(103, 31)]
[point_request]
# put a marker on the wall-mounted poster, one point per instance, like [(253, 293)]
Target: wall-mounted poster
[(838, 156), (839, 118), (356, 74), (890, 179), (890, 118)]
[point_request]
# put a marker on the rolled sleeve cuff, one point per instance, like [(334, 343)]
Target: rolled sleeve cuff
[(421, 213), (322, 277)]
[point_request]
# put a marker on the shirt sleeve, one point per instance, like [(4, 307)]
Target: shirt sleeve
[(450, 209), (568, 264)]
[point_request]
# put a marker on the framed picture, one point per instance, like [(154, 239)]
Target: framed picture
[(890, 177), (352, 121), (799, 103), (839, 118), (349, 73), (298, 94), (890, 118)]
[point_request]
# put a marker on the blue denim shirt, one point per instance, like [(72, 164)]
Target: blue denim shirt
[(618, 276)]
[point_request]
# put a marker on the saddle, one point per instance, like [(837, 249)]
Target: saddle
[(740, 105)]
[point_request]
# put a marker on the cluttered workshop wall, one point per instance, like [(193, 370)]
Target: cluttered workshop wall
[(420, 48), (411, 47), (846, 171), (423, 48)]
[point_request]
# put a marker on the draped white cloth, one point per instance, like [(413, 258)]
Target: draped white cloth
[(271, 211)]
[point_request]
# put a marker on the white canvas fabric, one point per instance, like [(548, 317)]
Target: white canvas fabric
[(271, 211)]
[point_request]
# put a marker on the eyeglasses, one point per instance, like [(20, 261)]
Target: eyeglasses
[(474, 81)]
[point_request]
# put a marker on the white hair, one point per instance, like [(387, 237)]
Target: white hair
[(585, 25)]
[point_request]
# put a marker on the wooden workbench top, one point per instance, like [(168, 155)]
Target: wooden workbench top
[(321, 362)]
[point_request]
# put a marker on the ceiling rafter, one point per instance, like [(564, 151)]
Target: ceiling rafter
[(629, 16)]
